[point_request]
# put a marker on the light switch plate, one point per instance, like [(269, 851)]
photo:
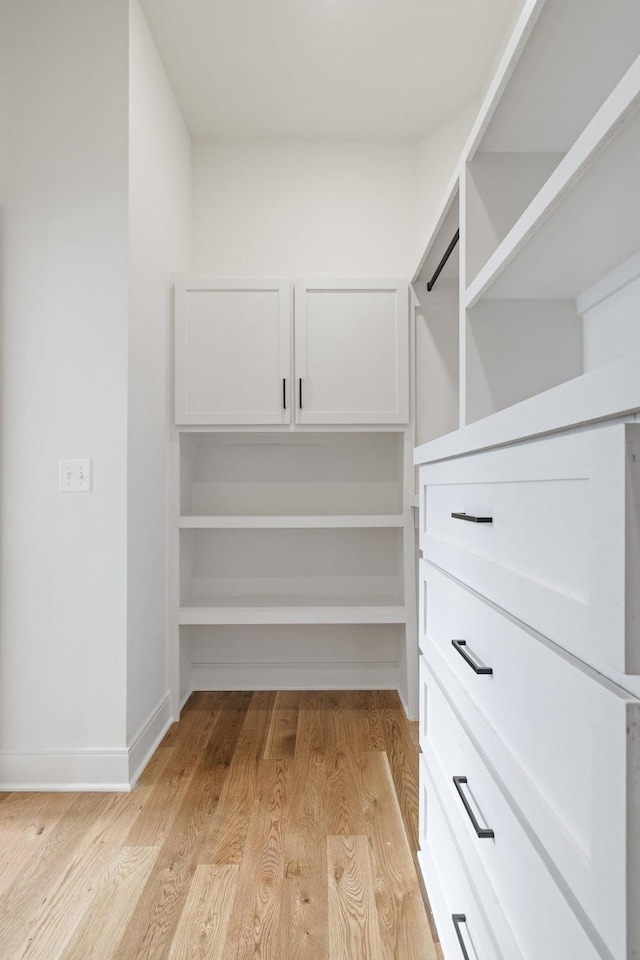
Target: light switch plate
[(74, 476)]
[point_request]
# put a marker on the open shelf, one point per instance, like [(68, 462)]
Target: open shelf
[(301, 476), (586, 219), (290, 522), (556, 298), (290, 610), (571, 56), (273, 568), (516, 349), (291, 655), (575, 54)]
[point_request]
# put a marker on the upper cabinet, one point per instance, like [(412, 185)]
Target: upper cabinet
[(232, 350), (234, 355), (351, 351)]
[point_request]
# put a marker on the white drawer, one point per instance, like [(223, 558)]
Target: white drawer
[(563, 740), (562, 552), (504, 866), (451, 893)]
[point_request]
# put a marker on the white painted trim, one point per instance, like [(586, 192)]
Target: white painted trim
[(510, 58), (621, 277), (85, 769), (405, 707), (185, 698), (295, 676), (272, 429), (449, 196), (145, 742), (58, 769)]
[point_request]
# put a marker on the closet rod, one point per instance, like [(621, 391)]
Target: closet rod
[(447, 254)]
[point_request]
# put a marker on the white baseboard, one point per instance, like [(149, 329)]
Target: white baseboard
[(145, 742), (294, 676), (403, 701), (70, 770), (106, 769), (185, 698)]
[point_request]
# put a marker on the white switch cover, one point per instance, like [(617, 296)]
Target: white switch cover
[(74, 476)]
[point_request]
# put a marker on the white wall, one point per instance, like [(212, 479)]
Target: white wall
[(63, 388), (296, 208), (159, 243)]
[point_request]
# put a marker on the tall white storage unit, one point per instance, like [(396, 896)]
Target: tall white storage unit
[(529, 509), (293, 531)]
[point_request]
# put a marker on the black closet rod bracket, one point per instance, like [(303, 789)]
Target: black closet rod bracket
[(447, 254)]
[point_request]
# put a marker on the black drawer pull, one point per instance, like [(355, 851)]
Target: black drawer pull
[(485, 833), (471, 519), (284, 393), (459, 918), (459, 644), (300, 392)]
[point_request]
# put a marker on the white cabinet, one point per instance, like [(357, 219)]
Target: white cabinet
[(352, 351), (529, 618), (528, 708), (557, 550), (232, 349), (235, 362), (503, 863)]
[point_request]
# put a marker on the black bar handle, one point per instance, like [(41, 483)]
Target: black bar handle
[(458, 645), (300, 392), (431, 284), (284, 394), (458, 919), (485, 833), (471, 519)]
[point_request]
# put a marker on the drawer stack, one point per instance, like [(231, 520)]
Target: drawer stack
[(530, 774)]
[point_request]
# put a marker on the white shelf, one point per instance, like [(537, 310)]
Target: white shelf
[(254, 611), (596, 227), (323, 521), (564, 59)]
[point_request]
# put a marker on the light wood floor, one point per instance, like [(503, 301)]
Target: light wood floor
[(266, 827)]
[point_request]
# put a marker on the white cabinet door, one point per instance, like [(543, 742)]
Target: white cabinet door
[(232, 351), (352, 351)]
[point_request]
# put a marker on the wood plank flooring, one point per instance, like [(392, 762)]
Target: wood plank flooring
[(267, 826)]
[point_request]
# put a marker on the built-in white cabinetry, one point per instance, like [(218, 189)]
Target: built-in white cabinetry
[(543, 530), (529, 507), (352, 352), (528, 595), (292, 523), (241, 358), (232, 350)]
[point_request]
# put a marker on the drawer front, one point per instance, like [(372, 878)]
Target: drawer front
[(499, 854), (560, 738), (451, 894), (557, 553)]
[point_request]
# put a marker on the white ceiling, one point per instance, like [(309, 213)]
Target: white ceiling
[(325, 68)]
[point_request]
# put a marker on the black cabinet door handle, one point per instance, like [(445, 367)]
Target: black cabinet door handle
[(458, 645), (300, 392), (284, 394), (471, 519), (458, 919), (485, 833)]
